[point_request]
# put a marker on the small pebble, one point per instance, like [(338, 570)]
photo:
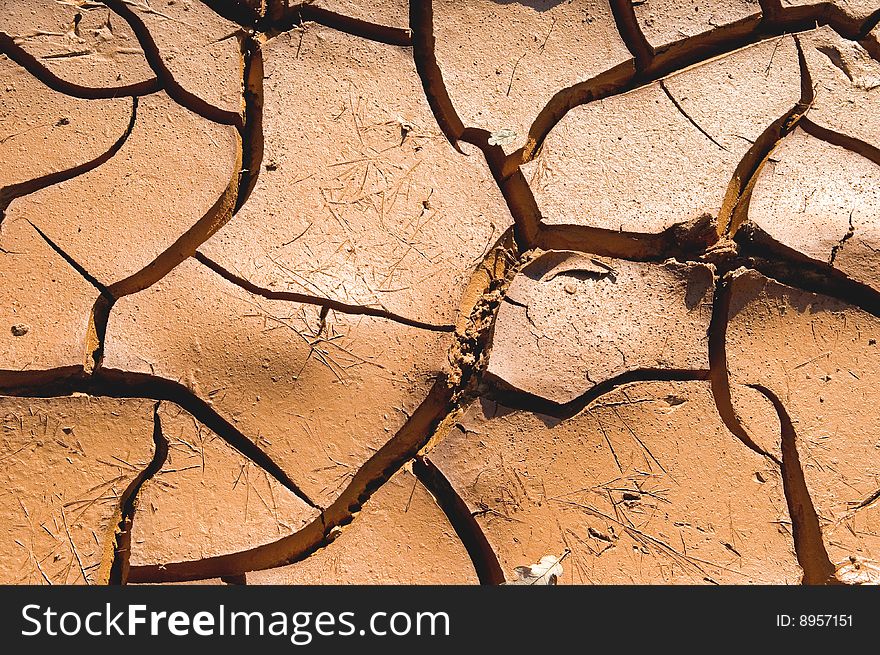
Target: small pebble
[(570, 287), (20, 329)]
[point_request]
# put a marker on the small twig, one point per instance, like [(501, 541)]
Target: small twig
[(513, 72), (73, 547)]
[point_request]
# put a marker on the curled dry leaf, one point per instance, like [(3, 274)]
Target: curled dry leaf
[(502, 137), (546, 572), (855, 571)]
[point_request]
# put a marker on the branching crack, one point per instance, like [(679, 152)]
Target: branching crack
[(451, 393), (122, 384), (735, 207), (809, 545), (631, 33), (719, 375), (30, 63), (252, 131), (421, 20), (185, 245), (684, 53), (445, 400), (171, 86)]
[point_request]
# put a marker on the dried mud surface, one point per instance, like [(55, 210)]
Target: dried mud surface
[(356, 292)]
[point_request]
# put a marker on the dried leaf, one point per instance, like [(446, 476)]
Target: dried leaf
[(545, 572), (855, 571), (502, 137)]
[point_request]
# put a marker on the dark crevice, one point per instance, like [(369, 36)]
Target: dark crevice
[(123, 384), (808, 543), (75, 265), (682, 241), (446, 397), (507, 396), (321, 531), (689, 118), (21, 189), (252, 140), (863, 148), (871, 44), (235, 11), (631, 33), (735, 207), (684, 53), (273, 10), (762, 253), (286, 18), (185, 245), (719, 375), (171, 86), (32, 65), (421, 22), (836, 248), (335, 305), (96, 333), (771, 9), (128, 505), (484, 559), (278, 17), (830, 13), (514, 188), (871, 22)]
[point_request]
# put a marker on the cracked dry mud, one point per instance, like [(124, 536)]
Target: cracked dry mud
[(422, 292)]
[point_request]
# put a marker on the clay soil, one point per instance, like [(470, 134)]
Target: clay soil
[(427, 292)]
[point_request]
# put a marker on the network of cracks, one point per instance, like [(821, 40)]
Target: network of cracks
[(421, 292)]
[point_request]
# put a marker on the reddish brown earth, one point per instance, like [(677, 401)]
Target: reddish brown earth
[(439, 292), (70, 466)]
